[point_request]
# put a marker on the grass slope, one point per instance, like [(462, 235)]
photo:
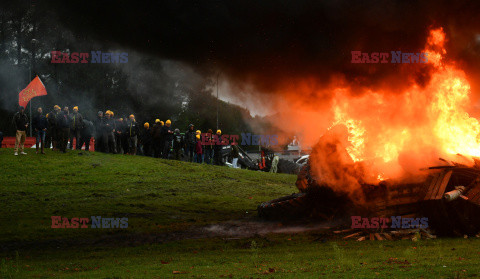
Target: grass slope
[(161, 196)]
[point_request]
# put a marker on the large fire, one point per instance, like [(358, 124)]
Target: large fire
[(393, 135)]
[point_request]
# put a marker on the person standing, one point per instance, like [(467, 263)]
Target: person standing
[(198, 150), (109, 128), (131, 133), (120, 127), (146, 140), (190, 143), (99, 141), (86, 134), (178, 143), (157, 138), (235, 154), (76, 126), (63, 121), (167, 135), (53, 129), (40, 124), (66, 110), (20, 122), (208, 147), (218, 160)]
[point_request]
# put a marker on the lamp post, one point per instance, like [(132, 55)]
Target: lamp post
[(217, 100)]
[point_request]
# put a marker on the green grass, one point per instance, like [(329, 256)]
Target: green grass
[(162, 199)]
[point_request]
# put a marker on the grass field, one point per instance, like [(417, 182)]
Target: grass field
[(169, 205)]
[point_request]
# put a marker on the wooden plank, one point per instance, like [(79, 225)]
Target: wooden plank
[(378, 236), (352, 235), (433, 184), (387, 236), (443, 185)]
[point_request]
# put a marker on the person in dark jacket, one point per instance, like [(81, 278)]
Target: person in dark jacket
[(198, 150), (76, 125), (109, 129), (20, 122), (66, 112), (218, 160), (167, 135), (53, 131), (208, 147), (190, 142), (99, 141), (178, 143), (40, 125), (146, 140), (157, 138), (119, 136), (131, 132), (235, 153), (63, 122), (86, 134)]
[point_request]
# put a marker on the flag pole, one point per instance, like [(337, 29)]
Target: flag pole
[(31, 133)]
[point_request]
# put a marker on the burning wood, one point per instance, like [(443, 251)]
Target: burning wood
[(450, 209)]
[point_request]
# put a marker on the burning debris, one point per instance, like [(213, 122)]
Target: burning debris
[(371, 160)]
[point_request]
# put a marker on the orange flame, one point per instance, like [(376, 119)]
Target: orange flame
[(396, 134)]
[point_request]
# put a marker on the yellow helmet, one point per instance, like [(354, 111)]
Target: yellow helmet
[(132, 116), (56, 107), (157, 120), (108, 112), (146, 125), (161, 123), (111, 113), (168, 122), (198, 132), (46, 115), (121, 119), (75, 108), (219, 131)]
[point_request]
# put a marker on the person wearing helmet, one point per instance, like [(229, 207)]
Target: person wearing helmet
[(98, 123), (157, 139), (208, 147), (20, 122), (198, 150), (132, 132), (218, 160), (146, 140), (190, 143), (108, 132), (76, 126), (178, 143), (119, 136), (167, 135)]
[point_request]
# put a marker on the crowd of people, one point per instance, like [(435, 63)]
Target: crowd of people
[(60, 129)]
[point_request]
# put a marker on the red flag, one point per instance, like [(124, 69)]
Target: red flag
[(34, 89)]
